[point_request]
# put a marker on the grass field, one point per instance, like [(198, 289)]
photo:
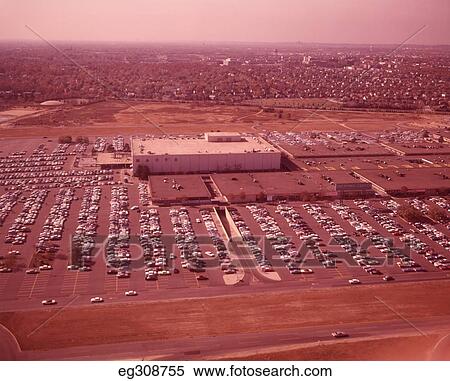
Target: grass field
[(246, 313)]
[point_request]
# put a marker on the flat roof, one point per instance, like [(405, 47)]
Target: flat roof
[(281, 183), (194, 145), (190, 187), (413, 179), (106, 158), (422, 148), (223, 133)]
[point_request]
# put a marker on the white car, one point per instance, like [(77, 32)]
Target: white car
[(48, 302), (96, 299), (131, 293), (45, 267), (354, 281)]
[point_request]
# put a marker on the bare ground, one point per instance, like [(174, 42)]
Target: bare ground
[(146, 321), (116, 117)]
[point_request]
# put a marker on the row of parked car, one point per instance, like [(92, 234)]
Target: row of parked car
[(426, 228), (100, 144), (186, 240), (433, 234), (155, 254), (54, 224), (339, 235), (86, 231), (7, 201), (144, 195), (226, 264), (30, 211), (118, 143), (43, 182), (29, 171), (386, 219), (80, 148), (364, 229), (305, 233), (118, 256), (444, 204), (282, 244), (65, 174), (250, 241)]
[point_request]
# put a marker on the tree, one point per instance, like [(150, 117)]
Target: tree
[(142, 172), (437, 214), (67, 139), (410, 213), (82, 139)]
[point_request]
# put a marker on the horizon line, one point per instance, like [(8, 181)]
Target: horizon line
[(215, 42)]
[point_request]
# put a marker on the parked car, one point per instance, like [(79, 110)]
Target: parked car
[(49, 302)]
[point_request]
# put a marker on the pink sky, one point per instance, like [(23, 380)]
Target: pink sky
[(332, 21)]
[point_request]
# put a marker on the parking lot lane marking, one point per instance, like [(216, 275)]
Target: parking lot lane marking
[(401, 316), (339, 272), (57, 312), (75, 283), (32, 287)]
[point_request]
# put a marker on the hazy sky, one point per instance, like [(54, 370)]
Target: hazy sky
[(333, 21)]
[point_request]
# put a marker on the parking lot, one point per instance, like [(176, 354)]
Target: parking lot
[(67, 231)]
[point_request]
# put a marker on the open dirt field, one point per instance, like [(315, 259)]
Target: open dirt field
[(114, 117), (17, 112), (234, 314)]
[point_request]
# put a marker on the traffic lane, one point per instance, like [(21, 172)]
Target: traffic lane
[(154, 294), (198, 347)]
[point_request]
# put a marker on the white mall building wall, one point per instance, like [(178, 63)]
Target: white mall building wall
[(195, 163)]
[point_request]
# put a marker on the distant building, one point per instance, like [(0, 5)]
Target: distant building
[(52, 103), (356, 189), (217, 152), (108, 160)]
